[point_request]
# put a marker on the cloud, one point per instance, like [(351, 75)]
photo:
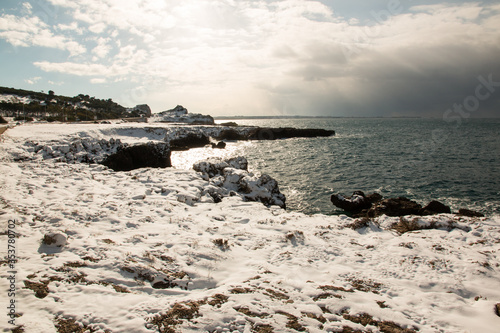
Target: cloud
[(33, 80), (31, 31), (78, 69), (102, 49), (288, 56), (98, 81)]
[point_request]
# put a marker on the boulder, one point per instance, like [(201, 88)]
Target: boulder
[(150, 155), (353, 204), (231, 177), (469, 213), (394, 207), (219, 145), (435, 207), (356, 203)]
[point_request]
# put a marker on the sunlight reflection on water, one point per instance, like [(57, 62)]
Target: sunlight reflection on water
[(185, 159)]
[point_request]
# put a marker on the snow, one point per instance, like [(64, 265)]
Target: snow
[(134, 246)]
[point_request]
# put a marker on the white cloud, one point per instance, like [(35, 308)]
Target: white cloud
[(78, 69), (98, 28), (285, 54), (27, 8), (60, 83), (102, 49), (33, 80), (31, 31), (98, 81)]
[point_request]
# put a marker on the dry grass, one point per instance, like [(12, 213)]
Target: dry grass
[(246, 311), (167, 322), (360, 223), (366, 285), (41, 289), (293, 322), (68, 325), (262, 328), (217, 300), (277, 295), (384, 326)]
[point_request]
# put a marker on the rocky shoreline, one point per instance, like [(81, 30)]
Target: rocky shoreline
[(374, 205)]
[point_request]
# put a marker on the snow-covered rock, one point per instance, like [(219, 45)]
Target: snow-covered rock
[(230, 177), (179, 114)]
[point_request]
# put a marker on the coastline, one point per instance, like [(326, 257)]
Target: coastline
[(149, 243)]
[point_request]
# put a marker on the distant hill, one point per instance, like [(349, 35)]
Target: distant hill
[(49, 106)]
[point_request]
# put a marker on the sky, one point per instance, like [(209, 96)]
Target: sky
[(261, 57)]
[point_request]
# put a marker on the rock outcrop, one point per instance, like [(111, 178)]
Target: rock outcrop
[(231, 177), (189, 140), (435, 207), (141, 110), (374, 205), (272, 133), (394, 207), (355, 203), (469, 213), (180, 114), (150, 155)]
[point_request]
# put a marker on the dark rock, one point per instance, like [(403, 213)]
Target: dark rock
[(163, 285), (232, 134), (191, 140), (229, 124), (469, 213), (353, 204), (497, 309), (374, 197), (152, 155), (435, 207), (219, 145), (268, 133), (395, 207)]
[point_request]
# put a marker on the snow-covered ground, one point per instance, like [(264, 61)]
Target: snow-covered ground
[(146, 251)]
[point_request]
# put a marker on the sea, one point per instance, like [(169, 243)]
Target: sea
[(455, 163)]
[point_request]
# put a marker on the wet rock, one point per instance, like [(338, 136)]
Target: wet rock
[(356, 203), (353, 204), (150, 155), (395, 207), (469, 213), (219, 145), (435, 207)]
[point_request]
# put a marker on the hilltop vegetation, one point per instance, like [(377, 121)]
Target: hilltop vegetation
[(51, 107)]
